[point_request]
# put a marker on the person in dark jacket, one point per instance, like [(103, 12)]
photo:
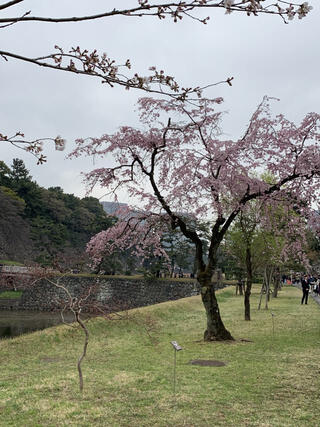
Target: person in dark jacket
[(305, 290)]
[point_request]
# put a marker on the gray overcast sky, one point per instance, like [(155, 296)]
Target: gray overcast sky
[(265, 57)]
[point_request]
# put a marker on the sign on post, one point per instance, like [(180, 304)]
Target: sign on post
[(176, 347)]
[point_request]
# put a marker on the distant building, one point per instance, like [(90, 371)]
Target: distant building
[(111, 207)]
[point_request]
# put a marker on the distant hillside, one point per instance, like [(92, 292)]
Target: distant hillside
[(15, 231), (44, 225)]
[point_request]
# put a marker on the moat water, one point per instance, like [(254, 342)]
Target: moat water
[(14, 323)]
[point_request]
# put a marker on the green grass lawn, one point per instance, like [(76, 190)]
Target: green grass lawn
[(10, 294), (128, 372), (8, 262)]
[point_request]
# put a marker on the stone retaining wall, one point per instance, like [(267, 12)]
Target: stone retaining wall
[(112, 293), (9, 303)]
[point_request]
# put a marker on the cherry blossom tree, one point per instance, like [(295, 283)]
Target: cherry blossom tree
[(79, 60), (180, 172)]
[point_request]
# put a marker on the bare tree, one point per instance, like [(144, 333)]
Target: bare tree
[(75, 305)]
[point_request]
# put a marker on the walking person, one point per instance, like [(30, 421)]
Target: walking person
[(318, 286), (305, 290)]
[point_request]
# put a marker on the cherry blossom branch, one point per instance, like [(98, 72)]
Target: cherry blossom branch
[(105, 69), (35, 147), (92, 64), (177, 10)]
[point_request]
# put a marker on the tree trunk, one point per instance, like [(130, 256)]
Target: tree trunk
[(261, 293), (275, 288), (267, 295), (266, 286), (216, 330), (84, 351), (268, 275), (276, 283), (241, 288), (247, 292)]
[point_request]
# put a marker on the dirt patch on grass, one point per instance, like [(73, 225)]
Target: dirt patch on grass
[(201, 362)]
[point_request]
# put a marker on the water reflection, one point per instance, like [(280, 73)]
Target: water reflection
[(14, 323)]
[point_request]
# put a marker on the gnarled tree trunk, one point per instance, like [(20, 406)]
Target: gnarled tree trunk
[(216, 330)]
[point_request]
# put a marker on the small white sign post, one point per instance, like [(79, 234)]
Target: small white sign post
[(176, 347)]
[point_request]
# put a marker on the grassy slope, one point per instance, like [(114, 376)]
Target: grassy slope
[(128, 375)]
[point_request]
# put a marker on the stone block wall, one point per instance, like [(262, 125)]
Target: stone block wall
[(113, 293)]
